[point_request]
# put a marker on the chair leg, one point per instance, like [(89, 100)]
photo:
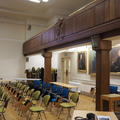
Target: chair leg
[(27, 116), (39, 116), (51, 107), (45, 115), (3, 116), (68, 113), (30, 115), (60, 112)]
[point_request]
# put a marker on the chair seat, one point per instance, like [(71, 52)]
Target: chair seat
[(36, 109), (34, 102), (2, 110), (53, 100), (1, 102), (67, 105), (23, 102)]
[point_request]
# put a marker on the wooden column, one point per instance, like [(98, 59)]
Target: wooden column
[(102, 48), (47, 67)]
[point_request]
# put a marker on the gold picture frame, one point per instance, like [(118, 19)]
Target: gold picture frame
[(82, 62)]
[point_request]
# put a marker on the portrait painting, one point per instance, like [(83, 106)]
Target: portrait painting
[(115, 59), (82, 61), (92, 62)]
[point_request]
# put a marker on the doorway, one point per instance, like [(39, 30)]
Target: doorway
[(65, 67)]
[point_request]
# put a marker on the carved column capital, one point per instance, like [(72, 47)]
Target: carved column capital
[(47, 54), (99, 44)]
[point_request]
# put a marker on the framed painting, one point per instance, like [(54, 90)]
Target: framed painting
[(82, 61), (92, 62), (115, 60)]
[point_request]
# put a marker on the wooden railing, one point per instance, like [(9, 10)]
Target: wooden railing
[(92, 19)]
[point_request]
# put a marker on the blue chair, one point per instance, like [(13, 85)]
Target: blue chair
[(37, 84), (54, 88), (65, 93), (43, 89), (59, 90), (113, 89), (48, 86), (44, 85)]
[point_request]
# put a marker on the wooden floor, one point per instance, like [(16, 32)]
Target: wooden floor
[(85, 103)]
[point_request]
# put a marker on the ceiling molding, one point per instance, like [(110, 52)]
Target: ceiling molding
[(21, 22), (13, 21), (11, 40), (5, 10)]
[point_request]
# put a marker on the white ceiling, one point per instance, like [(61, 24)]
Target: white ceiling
[(22, 9)]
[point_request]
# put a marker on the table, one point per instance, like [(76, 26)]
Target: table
[(83, 113), (26, 79), (64, 85), (111, 98)]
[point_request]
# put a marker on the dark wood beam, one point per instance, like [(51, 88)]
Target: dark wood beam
[(102, 49)]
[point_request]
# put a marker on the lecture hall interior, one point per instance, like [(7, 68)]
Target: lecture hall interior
[(59, 59)]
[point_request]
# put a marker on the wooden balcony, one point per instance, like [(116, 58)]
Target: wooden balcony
[(98, 17)]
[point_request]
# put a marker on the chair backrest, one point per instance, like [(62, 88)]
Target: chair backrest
[(74, 97), (6, 102), (44, 85), (46, 100), (23, 87), (1, 93), (59, 90), (19, 85), (5, 105), (65, 92), (54, 88), (36, 95), (29, 93), (26, 88), (48, 86), (37, 83), (113, 89), (5, 96)]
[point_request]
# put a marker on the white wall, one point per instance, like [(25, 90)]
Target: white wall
[(13, 34), (55, 60), (37, 60), (11, 31), (12, 63)]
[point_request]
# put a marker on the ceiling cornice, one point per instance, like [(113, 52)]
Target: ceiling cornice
[(5, 10), (21, 22)]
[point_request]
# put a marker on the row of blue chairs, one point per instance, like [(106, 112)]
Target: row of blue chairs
[(62, 91), (55, 89)]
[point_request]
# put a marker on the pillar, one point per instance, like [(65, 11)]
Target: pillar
[(102, 48), (47, 67)]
